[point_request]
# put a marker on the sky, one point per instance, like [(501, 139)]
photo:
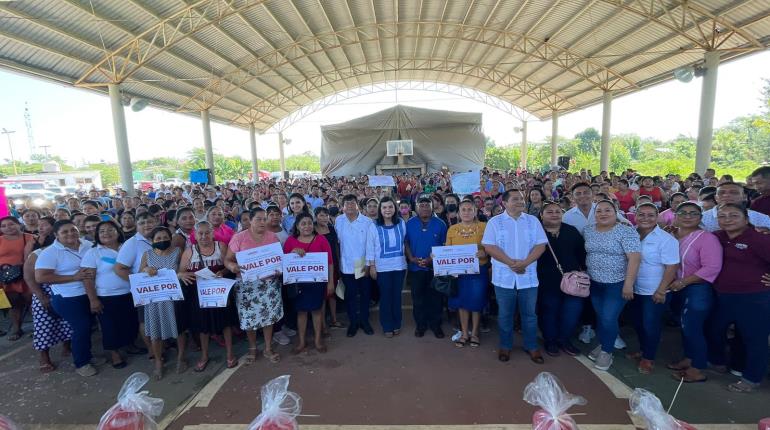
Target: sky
[(77, 124)]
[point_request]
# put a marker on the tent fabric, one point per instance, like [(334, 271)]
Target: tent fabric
[(441, 138)]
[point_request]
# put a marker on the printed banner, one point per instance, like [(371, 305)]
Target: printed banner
[(466, 183), (213, 293), (260, 262), (313, 267), (164, 286), (455, 260), (381, 181)]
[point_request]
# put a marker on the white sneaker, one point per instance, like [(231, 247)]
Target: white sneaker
[(289, 332), (458, 334), (86, 371), (281, 338), (594, 354), (603, 361), (587, 334), (737, 373), (620, 343)]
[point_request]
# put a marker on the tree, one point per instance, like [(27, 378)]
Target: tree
[(589, 140)]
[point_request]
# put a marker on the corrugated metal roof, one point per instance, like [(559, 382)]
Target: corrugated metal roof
[(260, 60)]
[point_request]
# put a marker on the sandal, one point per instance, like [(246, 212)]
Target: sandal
[(679, 365), (475, 342), (337, 324), (47, 368), (297, 350), (272, 356), (742, 386), (252, 357), (682, 375), (322, 349), (232, 362), (461, 342), (201, 366), (15, 336)]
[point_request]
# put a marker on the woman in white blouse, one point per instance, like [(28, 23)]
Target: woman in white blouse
[(59, 266)]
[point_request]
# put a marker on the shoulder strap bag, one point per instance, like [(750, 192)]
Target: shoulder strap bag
[(575, 283)]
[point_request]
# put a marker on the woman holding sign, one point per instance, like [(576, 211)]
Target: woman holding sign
[(472, 288), (160, 318), (310, 295), (259, 301), (208, 254)]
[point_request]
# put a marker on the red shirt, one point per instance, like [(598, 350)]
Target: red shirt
[(761, 204), (625, 200), (746, 259), (319, 244), (654, 193)]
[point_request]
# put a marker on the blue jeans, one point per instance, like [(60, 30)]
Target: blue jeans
[(391, 285), (558, 314), (648, 323), (507, 299), (357, 296), (77, 312), (751, 315), (697, 300), (426, 302), (607, 300)]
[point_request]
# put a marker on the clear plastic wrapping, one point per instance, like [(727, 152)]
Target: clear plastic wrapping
[(135, 409), (553, 399), (647, 406), (280, 407)]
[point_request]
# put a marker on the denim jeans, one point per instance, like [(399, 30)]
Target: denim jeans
[(648, 323), (558, 314), (391, 285), (357, 296), (751, 315), (697, 301), (608, 302), (507, 299), (426, 302), (77, 312)]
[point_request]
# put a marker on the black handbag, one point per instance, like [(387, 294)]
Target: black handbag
[(446, 285), (10, 273)]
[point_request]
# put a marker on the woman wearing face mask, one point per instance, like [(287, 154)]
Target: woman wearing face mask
[(160, 318), (311, 295), (472, 289), (110, 295), (208, 253), (59, 266), (404, 210), (324, 227), (451, 215), (334, 209)]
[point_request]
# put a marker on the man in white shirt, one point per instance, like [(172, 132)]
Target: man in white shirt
[(583, 213), (731, 192), (515, 240), (352, 228)]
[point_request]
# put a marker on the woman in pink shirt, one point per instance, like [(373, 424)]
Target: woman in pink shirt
[(222, 232), (701, 261), (666, 218)]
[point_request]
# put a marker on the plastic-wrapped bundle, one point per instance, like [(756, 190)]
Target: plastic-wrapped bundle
[(280, 407), (7, 423), (135, 409), (647, 406), (553, 399)]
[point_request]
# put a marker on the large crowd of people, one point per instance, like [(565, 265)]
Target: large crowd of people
[(690, 252)]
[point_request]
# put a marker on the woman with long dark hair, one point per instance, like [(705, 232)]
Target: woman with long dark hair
[(15, 247)]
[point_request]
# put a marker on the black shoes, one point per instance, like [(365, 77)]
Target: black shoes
[(438, 333), (352, 330), (419, 332), (367, 328)]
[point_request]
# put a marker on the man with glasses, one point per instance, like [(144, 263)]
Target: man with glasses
[(731, 192)]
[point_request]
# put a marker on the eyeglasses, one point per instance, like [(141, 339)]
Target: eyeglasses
[(687, 214)]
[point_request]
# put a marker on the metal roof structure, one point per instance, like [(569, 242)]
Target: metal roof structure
[(255, 62)]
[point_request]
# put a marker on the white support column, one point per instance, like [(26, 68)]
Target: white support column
[(524, 145), (554, 138), (280, 153), (121, 139), (606, 119), (207, 146), (706, 119), (254, 163)]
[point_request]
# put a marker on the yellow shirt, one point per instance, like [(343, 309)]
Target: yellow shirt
[(461, 235)]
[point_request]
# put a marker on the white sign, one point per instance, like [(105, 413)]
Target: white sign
[(381, 181), (455, 260), (213, 293), (260, 262), (313, 267), (164, 286), (466, 183)]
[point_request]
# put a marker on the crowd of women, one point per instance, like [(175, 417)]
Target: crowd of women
[(689, 250)]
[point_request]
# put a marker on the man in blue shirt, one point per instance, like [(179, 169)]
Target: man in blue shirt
[(422, 233)]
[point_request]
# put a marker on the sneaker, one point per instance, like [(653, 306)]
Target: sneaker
[(737, 373), (86, 371), (98, 361), (570, 349), (603, 361), (587, 334), (743, 386), (281, 338), (289, 332), (595, 353), (458, 334), (620, 343)]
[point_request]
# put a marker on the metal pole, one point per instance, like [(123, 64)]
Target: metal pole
[(8, 133), (280, 152), (524, 145), (606, 119), (121, 140), (254, 163), (706, 119), (554, 138), (207, 146)]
